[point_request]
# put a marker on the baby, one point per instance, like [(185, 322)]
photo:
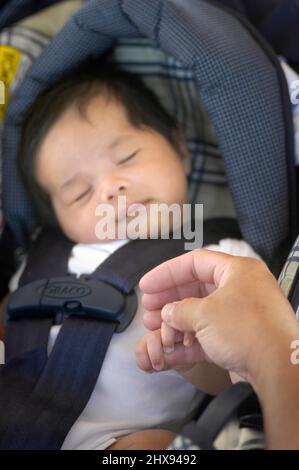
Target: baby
[(90, 139), (93, 137)]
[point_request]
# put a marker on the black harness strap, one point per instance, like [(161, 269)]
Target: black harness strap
[(26, 355), (64, 387), (47, 257), (47, 395), (26, 339)]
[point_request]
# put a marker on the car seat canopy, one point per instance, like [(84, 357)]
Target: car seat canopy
[(237, 78)]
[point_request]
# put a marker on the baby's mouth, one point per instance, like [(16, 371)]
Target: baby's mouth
[(133, 208)]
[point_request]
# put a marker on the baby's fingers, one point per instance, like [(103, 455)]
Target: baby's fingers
[(155, 350), (169, 336), (149, 352), (188, 339), (141, 354)]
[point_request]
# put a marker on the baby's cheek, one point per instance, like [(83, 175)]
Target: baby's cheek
[(86, 226), (77, 226), (65, 221)]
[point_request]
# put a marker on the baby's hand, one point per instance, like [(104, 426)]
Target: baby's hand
[(149, 352), (162, 349), (170, 336)]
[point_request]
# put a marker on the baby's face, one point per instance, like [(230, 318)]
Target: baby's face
[(87, 161)]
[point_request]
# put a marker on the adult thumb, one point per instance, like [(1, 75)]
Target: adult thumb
[(184, 315)]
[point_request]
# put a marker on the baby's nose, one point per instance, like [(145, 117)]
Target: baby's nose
[(112, 189), (119, 191)]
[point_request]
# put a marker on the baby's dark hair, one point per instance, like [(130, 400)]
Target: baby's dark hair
[(141, 104)]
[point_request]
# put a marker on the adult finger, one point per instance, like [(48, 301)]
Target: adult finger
[(198, 265), (158, 300), (152, 320), (186, 315)]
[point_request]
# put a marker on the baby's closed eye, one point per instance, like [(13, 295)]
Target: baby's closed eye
[(132, 155), (83, 194)]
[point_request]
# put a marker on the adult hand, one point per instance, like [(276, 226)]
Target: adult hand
[(233, 306)]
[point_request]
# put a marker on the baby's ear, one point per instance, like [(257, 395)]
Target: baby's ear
[(183, 151)]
